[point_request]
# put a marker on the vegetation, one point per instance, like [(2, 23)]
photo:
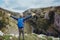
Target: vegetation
[(38, 22), (27, 37)]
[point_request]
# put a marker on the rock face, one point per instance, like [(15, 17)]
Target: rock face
[(7, 24), (6, 21), (38, 22)]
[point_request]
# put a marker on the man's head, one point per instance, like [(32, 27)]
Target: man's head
[(21, 15)]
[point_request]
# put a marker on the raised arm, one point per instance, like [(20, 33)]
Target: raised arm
[(29, 16), (13, 17)]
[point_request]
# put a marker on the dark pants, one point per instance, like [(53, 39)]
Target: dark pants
[(21, 31)]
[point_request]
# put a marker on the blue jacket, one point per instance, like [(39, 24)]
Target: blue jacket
[(20, 21)]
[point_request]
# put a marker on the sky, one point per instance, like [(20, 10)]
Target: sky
[(22, 5)]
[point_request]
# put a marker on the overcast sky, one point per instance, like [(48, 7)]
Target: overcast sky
[(22, 5)]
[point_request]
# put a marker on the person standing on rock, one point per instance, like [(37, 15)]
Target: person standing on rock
[(20, 23)]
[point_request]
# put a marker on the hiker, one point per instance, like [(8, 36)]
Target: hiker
[(20, 23)]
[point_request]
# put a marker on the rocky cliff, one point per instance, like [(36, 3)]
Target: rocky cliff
[(38, 22), (6, 21)]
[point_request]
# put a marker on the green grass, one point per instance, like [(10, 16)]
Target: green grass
[(26, 37)]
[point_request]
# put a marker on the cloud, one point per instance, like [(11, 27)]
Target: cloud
[(21, 5)]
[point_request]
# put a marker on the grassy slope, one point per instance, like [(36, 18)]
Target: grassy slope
[(27, 37)]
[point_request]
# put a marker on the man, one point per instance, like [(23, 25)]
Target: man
[(20, 23)]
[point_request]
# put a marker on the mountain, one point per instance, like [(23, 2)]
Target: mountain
[(6, 21), (38, 23)]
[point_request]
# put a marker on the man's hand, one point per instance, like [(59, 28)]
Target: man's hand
[(9, 14), (33, 14)]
